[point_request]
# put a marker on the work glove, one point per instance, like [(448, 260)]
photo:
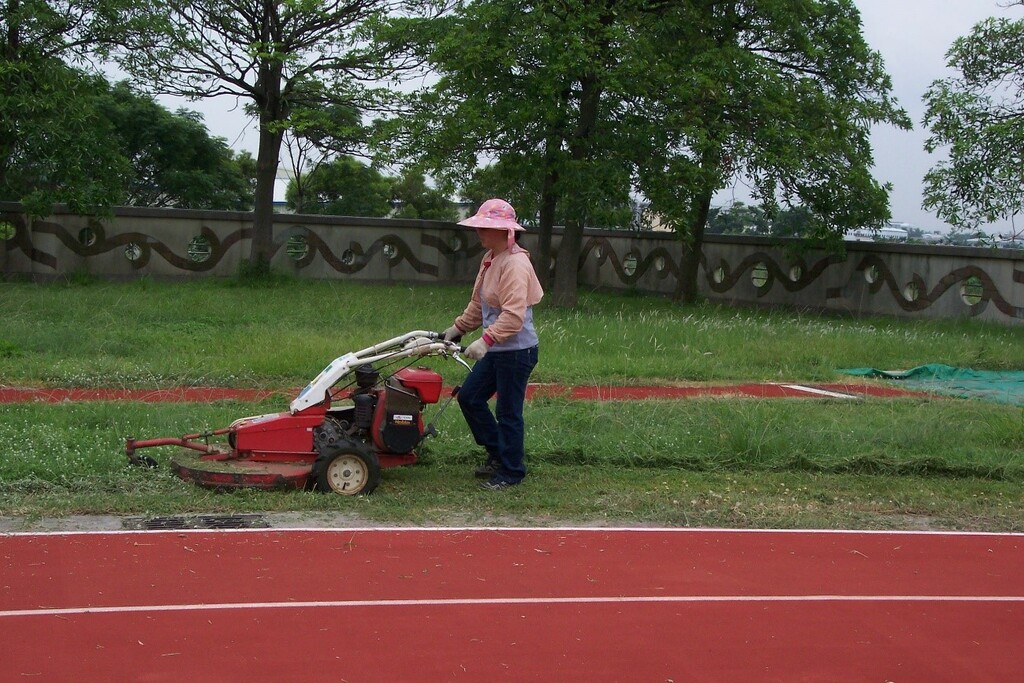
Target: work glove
[(476, 350), (452, 334)]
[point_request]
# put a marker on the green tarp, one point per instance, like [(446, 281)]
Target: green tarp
[(1002, 386)]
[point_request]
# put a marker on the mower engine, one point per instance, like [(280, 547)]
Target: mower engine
[(386, 415)]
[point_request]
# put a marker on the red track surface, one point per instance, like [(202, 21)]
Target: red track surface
[(512, 604), (591, 393), (176, 395)]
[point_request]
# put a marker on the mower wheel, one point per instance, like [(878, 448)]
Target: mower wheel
[(347, 467)]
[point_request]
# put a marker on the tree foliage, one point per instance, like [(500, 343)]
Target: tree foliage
[(66, 136), (346, 186), (742, 219), (54, 142), (174, 161), (342, 187), (414, 198), (796, 221), (737, 219), (507, 178), (977, 116)]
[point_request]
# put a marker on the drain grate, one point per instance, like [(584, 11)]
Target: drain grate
[(195, 522)]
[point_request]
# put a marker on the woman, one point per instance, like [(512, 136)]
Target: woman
[(505, 291)]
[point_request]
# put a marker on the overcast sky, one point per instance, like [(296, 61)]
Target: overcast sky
[(912, 37)]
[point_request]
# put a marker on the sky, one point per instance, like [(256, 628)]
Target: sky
[(912, 36)]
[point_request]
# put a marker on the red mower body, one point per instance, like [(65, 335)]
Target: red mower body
[(426, 383), (277, 436)]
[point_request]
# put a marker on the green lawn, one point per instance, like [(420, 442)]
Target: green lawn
[(907, 463)]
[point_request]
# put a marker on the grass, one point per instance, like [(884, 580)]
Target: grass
[(905, 463), (215, 333)]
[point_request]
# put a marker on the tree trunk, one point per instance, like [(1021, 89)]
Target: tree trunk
[(567, 265), (553, 140), (548, 204), (689, 262), (262, 242), (273, 119)]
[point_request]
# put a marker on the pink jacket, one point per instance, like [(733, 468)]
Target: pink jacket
[(506, 282)]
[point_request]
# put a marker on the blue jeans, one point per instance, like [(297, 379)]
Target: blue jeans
[(505, 373)]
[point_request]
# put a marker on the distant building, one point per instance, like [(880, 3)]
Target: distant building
[(892, 231)]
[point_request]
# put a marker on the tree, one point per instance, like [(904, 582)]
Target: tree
[(413, 198), (346, 186), (978, 117), (520, 189), (67, 136), (317, 136), (795, 221), (783, 93), (174, 161), (54, 143), (737, 219), (285, 58), (523, 84), (343, 187), (740, 219)]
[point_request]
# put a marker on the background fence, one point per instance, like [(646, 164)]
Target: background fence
[(870, 279)]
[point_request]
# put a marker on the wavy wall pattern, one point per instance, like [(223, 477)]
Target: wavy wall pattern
[(739, 272)]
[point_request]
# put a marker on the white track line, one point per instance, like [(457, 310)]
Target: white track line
[(819, 392), (125, 609), (513, 530)]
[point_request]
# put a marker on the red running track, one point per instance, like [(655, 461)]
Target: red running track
[(587, 393), (512, 604)]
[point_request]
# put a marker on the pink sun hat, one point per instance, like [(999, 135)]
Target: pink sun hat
[(496, 214)]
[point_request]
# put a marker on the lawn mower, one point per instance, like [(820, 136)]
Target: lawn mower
[(337, 434)]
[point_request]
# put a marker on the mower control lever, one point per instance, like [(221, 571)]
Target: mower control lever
[(430, 430), (459, 359)]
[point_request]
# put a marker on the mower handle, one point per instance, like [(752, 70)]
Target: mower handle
[(402, 346)]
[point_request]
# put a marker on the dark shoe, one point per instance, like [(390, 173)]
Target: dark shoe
[(496, 484), (486, 471)]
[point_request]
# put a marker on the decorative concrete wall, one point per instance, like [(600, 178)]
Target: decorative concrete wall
[(871, 279)]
